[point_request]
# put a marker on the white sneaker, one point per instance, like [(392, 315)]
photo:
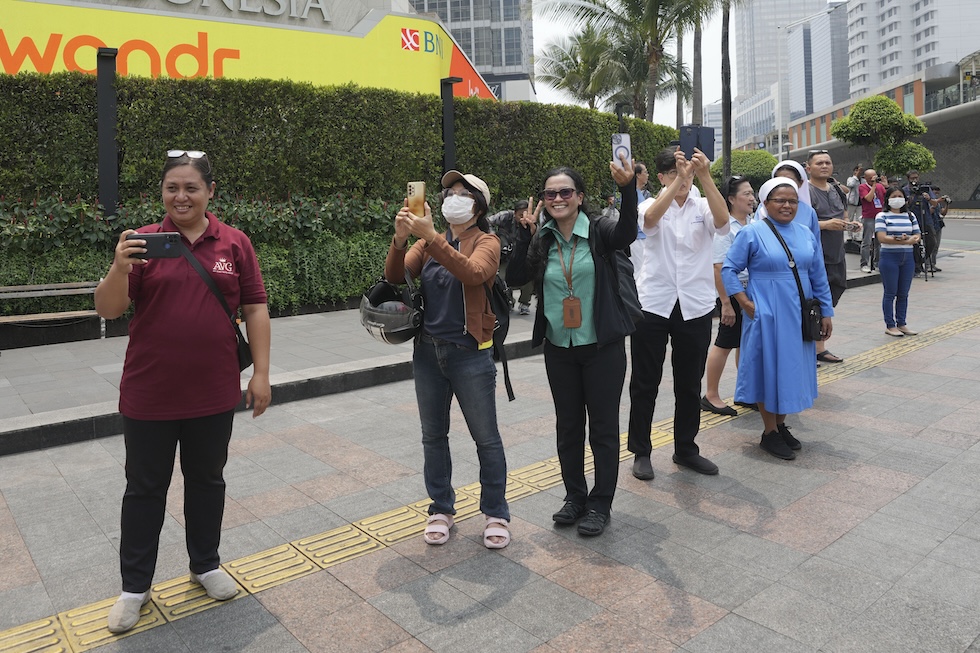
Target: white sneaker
[(217, 583), (865, 268), (125, 612)]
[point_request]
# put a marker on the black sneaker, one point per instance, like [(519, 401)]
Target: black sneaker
[(773, 443), (642, 469), (788, 438), (593, 524), (569, 513)]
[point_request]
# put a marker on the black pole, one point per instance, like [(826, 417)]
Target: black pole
[(448, 123), (619, 114), (108, 158)]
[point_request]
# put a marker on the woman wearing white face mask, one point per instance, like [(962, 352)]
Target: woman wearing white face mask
[(898, 232), (452, 355)]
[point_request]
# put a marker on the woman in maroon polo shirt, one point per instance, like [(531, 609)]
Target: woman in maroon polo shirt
[(181, 380)]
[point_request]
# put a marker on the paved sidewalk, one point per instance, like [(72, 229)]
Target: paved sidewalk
[(869, 541)]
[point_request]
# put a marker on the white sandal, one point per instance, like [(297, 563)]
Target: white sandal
[(439, 525), (496, 527)]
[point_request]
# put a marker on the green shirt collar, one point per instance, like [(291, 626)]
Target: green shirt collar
[(581, 228)]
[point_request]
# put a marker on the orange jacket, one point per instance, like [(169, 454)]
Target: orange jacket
[(474, 264)]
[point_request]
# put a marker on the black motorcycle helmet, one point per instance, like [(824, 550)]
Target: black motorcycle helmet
[(390, 314)]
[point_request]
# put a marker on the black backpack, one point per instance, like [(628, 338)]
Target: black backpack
[(499, 298)]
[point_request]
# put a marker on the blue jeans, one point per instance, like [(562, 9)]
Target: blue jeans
[(897, 268), (443, 369)]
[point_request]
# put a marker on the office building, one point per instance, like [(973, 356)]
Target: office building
[(497, 36), (712, 118), (817, 55)]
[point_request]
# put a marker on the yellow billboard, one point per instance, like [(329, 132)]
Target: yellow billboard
[(401, 52)]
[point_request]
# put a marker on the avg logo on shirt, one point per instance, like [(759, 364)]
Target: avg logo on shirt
[(223, 266)]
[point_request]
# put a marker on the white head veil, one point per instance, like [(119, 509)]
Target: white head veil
[(770, 186), (804, 190)]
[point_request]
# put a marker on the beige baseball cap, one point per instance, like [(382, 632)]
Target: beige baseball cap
[(453, 176)]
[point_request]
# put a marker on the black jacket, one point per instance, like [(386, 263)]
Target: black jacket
[(605, 236)]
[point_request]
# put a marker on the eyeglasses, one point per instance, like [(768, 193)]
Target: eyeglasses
[(778, 201), (550, 194), (462, 193)]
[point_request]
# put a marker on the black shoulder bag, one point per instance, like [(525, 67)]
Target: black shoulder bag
[(244, 352), (811, 311)]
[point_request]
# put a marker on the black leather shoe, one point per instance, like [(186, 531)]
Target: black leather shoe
[(773, 443), (700, 464), (788, 438), (711, 408), (642, 469), (569, 513), (593, 524)]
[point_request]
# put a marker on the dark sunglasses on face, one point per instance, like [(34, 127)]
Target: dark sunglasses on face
[(564, 193)]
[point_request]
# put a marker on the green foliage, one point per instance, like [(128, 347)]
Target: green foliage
[(757, 165), (896, 160), (876, 121)]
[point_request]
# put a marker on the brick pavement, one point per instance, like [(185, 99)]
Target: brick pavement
[(869, 541)]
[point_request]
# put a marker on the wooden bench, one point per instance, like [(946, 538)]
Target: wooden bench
[(47, 290)]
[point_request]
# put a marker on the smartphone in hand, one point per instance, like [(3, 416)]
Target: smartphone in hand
[(416, 198), (621, 147), (163, 244)]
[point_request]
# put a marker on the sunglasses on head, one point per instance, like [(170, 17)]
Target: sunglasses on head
[(564, 193), (191, 154)]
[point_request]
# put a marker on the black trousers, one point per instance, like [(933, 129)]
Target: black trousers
[(587, 379), (689, 340), (150, 449)]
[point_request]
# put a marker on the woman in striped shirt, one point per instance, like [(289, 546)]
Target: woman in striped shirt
[(898, 232)]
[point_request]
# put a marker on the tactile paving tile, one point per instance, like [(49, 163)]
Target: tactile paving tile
[(466, 505), (543, 475), (269, 568), (393, 526), (180, 597), (43, 636), (515, 490), (337, 546), (86, 626)]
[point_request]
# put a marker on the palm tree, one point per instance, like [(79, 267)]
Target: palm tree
[(653, 20), (581, 66), (726, 89), (632, 74), (679, 118)]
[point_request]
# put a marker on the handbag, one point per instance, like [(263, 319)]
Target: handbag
[(244, 351), (811, 312)]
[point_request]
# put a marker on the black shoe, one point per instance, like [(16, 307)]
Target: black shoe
[(569, 513), (745, 405), (772, 442), (711, 408), (642, 469), (700, 464), (935, 270), (788, 438), (593, 524)]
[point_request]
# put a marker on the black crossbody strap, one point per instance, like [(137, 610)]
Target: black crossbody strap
[(792, 262), (210, 284)]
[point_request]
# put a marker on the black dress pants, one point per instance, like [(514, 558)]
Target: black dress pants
[(150, 449), (689, 340), (587, 379)]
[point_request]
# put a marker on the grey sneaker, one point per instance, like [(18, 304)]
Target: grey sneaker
[(125, 613), (524, 309), (217, 583)]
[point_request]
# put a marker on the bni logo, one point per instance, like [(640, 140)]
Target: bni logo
[(410, 39)]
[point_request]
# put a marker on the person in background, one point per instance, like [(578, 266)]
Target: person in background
[(453, 355), (777, 368), (898, 232), (939, 223), (181, 380), (741, 203), (642, 177), (829, 203), (583, 323), (871, 194), (610, 210), (923, 203), (853, 199), (677, 294), (504, 224)]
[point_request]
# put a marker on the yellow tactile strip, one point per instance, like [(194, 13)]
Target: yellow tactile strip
[(83, 629)]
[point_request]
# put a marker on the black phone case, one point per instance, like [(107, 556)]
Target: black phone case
[(158, 245)]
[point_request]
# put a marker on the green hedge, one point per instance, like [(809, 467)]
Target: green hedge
[(311, 174)]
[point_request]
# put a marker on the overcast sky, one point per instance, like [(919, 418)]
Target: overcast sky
[(546, 32)]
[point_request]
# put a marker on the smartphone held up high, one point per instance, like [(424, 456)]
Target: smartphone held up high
[(416, 197), (163, 244), (621, 146)]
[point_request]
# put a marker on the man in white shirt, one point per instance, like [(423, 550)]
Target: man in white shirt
[(677, 292)]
